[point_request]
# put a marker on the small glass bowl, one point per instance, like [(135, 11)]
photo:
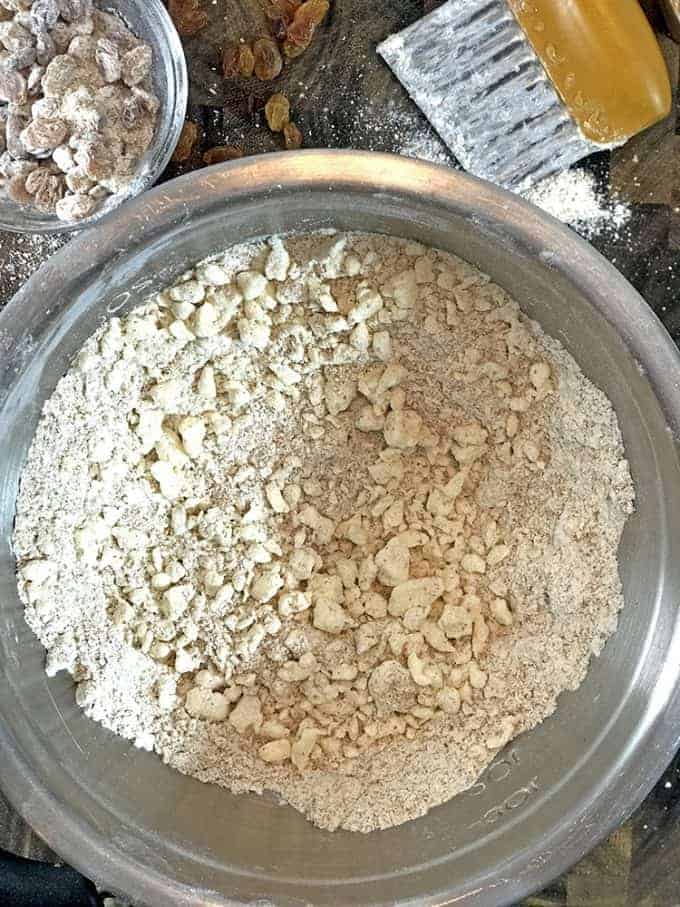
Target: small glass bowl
[(149, 21)]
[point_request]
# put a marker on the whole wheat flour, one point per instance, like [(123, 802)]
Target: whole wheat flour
[(329, 518)]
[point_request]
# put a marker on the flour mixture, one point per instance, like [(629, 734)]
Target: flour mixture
[(329, 518)]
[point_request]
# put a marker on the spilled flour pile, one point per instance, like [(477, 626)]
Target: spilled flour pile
[(329, 518), (574, 198)]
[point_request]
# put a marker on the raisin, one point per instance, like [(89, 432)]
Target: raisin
[(312, 11), (16, 39), (46, 188), (14, 126), (108, 60), (186, 143), (44, 15), (230, 60), (9, 167), (44, 135), (147, 99), (283, 10), (17, 192), (237, 60), (136, 64), (62, 74), (132, 112), (13, 87), (34, 80), (78, 181), (277, 111), (268, 62), (188, 15), (292, 137), (45, 48), (281, 14), (73, 10), (75, 207), (246, 61), (301, 31), (291, 50), (221, 153), (83, 47), (96, 160)]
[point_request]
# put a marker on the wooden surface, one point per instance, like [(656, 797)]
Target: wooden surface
[(342, 95)]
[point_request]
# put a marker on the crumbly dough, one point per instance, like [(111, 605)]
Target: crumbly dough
[(330, 518)]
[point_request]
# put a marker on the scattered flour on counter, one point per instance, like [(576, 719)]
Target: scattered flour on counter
[(330, 518), (20, 255), (574, 198), (415, 140)]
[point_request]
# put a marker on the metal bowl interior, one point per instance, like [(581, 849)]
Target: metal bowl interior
[(140, 828), (150, 22)]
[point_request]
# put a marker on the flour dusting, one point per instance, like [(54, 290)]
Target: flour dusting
[(574, 198)]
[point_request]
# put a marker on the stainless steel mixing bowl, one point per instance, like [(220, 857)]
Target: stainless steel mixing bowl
[(140, 828)]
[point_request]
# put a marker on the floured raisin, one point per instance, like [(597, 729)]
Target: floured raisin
[(74, 10), (277, 111), (136, 64), (268, 62), (44, 135), (96, 159), (17, 191), (13, 87), (221, 153), (46, 188), (43, 15), (108, 60), (75, 207)]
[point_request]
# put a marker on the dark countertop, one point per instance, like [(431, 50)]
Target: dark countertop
[(342, 95)]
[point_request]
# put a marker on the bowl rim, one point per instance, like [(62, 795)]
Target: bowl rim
[(638, 768), (175, 122)]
